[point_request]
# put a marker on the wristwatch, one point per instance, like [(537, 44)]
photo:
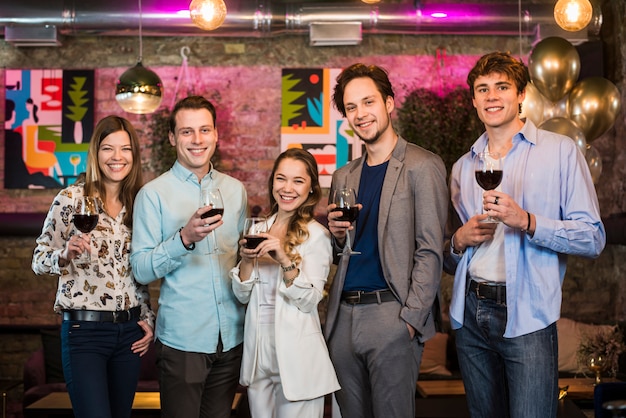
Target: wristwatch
[(288, 268), (189, 247)]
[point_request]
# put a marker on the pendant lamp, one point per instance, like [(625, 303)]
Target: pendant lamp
[(207, 14), (139, 90), (573, 15)]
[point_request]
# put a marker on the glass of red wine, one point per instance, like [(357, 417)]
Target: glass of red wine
[(488, 174), (213, 198), (252, 228), (345, 199), (85, 220)]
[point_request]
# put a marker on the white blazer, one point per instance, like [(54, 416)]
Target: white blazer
[(304, 365)]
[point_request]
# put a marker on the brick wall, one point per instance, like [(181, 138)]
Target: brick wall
[(247, 89)]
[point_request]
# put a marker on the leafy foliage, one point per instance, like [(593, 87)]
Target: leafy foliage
[(608, 344), (445, 125)]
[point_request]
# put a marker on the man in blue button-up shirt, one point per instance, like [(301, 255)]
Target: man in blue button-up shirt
[(199, 329), (508, 275)]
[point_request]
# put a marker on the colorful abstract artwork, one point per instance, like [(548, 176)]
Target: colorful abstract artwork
[(49, 121), (310, 121)]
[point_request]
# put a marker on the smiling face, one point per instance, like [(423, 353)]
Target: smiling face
[(115, 157), (366, 110), (497, 100), (291, 185), (195, 139)]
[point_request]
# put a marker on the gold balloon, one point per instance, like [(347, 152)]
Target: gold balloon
[(593, 104), (556, 110), (554, 66), (594, 161), (533, 105), (566, 127)]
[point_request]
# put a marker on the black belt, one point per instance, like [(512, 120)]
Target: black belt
[(493, 291), (356, 297), (102, 316)]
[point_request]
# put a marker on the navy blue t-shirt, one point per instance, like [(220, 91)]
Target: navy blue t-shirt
[(365, 271)]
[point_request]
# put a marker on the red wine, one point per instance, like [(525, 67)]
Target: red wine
[(489, 180), (348, 214), (85, 223), (253, 241), (212, 212)]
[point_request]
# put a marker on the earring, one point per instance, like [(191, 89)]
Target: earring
[(311, 191), (520, 109)]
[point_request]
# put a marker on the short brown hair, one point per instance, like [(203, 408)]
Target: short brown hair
[(501, 63), (377, 74)]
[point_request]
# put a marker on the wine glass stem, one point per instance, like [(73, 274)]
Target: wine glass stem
[(214, 241), (256, 269), (348, 247)]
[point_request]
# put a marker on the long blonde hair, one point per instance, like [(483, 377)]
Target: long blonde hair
[(297, 230), (132, 182)]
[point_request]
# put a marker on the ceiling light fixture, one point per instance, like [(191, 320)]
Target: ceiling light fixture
[(207, 14), (139, 90), (370, 1), (573, 15)]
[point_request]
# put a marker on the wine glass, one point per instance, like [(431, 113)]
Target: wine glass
[(75, 160), (597, 364), (252, 228), (213, 198), (85, 220), (345, 199), (488, 174)]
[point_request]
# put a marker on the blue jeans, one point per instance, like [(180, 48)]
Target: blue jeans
[(506, 377), (100, 370)]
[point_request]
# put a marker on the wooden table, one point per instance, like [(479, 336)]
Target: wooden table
[(57, 404), (456, 407), (577, 388)]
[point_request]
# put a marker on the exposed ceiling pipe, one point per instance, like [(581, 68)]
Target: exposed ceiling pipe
[(252, 18)]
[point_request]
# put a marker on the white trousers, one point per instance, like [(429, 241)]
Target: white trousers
[(265, 393)]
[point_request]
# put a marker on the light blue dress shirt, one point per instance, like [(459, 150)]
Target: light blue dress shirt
[(546, 174), (196, 303)]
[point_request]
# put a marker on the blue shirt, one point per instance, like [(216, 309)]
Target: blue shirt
[(196, 303), (546, 174), (365, 271)]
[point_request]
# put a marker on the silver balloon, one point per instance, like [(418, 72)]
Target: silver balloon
[(533, 104), (554, 66), (594, 161), (556, 110), (566, 127), (593, 104)]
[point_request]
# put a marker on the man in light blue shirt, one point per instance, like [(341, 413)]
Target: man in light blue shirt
[(508, 275), (199, 330)]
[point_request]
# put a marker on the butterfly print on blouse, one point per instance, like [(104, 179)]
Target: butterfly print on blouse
[(66, 288), (89, 288), (105, 297)]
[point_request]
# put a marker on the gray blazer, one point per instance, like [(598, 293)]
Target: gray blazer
[(413, 214)]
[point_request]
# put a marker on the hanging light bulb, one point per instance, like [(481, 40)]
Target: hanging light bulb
[(207, 14), (139, 90), (573, 15)]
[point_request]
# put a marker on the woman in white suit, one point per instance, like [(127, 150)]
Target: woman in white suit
[(286, 365)]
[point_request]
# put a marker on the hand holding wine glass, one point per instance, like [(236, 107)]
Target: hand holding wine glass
[(346, 201), (489, 174), (85, 220), (252, 228), (213, 198)]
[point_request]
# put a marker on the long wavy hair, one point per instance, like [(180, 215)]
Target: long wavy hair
[(132, 182), (297, 230)]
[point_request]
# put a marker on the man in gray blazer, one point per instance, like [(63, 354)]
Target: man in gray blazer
[(384, 302)]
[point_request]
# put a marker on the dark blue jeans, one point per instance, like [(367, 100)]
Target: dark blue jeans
[(101, 371), (506, 377)]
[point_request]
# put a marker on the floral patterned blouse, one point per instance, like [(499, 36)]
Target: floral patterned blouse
[(104, 284)]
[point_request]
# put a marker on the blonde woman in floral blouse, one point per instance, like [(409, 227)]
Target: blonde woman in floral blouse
[(107, 321)]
